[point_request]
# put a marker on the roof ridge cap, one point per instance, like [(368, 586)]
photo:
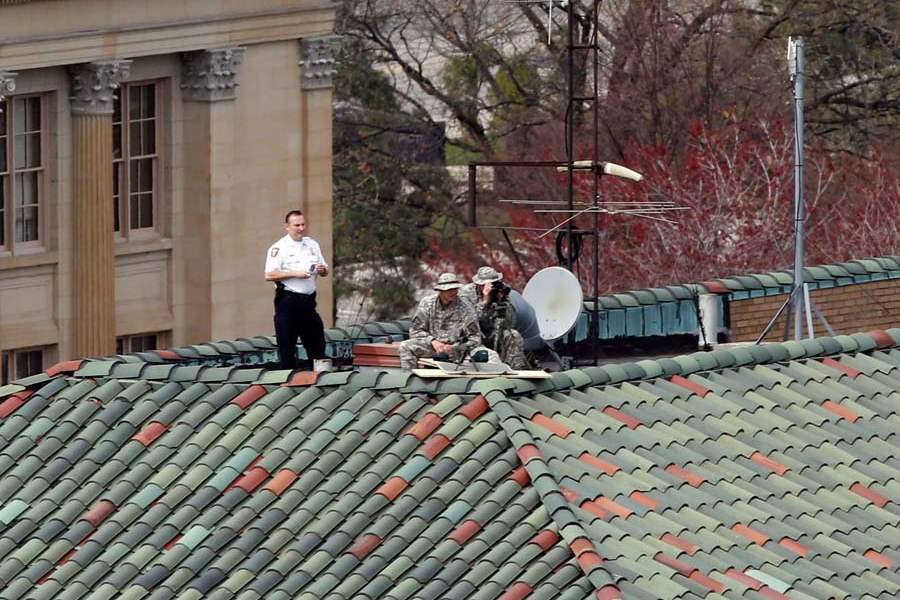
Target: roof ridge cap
[(700, 361), (549, 491)]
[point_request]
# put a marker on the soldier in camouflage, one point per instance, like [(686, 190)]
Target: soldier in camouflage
[(442, 324), (496, 318)]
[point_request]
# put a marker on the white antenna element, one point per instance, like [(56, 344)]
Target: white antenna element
[(557, 299), (792, 57), (607, 168)]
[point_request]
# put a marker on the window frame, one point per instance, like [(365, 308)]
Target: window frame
[(122, 164), (9, 363), (124, 343), (9, 209)]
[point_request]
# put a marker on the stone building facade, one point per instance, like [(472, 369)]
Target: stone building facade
[(149, 150)]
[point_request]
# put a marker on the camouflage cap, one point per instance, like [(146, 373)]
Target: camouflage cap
[(447, 281), (487, 274)]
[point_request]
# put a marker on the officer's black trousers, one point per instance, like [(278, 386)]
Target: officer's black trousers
[(296, 316)]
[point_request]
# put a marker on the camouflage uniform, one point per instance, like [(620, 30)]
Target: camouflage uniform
[(434, 321), (469, 293), (497, 322), (509, 344)]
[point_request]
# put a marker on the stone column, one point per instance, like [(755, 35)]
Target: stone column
[(94, 276), (318, 67), (209, 86)]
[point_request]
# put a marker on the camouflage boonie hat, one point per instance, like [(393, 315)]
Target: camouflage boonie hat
[(447, 281), (486, 275)]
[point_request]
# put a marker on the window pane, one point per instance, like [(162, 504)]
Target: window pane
[(26, 214), (143, 343), (146, 210), (146, 182), (117, 140), (19, 151), (28, 363), (19, 115), (134, 102), (4, 108), (33, 114), (4, 368), (149, 107), (117, 194), (120, 345), (133, 202), (2, 149), (33, 149), (149, 137), (117, 105), (134, 141), (2, 210)]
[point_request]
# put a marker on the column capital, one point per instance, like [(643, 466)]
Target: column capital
[(319, 61), (94, 83), (7, 84), (210, 75)]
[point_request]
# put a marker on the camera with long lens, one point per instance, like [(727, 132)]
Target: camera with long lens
[(499, 292)]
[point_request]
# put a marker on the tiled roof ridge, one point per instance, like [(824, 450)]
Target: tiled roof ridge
[(553, 497), (887, 267), (697, 362)]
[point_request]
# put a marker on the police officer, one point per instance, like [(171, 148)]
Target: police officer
[(293, 263)]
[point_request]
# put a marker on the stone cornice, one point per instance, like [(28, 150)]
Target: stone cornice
[(319, 61), (93, 85), (165, 36), (210, 75)]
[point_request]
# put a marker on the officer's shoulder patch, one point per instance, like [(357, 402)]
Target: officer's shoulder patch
[(274, 252)]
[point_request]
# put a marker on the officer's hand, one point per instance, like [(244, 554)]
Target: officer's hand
[(321, 270), (486, 291), (302, 274)]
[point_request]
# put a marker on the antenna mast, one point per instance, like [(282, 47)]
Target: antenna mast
[(795, 62)]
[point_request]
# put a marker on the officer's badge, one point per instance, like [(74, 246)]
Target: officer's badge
[(274, 252)]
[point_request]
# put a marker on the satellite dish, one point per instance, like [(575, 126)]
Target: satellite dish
[(556, 297)]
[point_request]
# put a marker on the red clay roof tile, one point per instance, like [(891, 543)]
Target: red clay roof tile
[(618, 415), (282, 480), (393, 488), (249, 396), (689, 385), (365, 545), (150, 433), (475, 408), (546, 539), (435, 445), (425, 426), (599, 463), (252, 479), (841, 410), (465, 532), (869, 494), (554, 426)]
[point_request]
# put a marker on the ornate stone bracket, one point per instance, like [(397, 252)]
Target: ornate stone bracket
[(319, 61), (93, 85), (7, 84), (210, 75)]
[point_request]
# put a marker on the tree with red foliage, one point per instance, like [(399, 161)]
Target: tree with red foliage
[(736, 187)]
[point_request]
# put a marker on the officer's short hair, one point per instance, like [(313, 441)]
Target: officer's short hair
[(293, 213)]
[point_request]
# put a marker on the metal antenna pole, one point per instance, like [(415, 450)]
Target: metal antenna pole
[(594, 329), (795, 54), (570, 131)]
